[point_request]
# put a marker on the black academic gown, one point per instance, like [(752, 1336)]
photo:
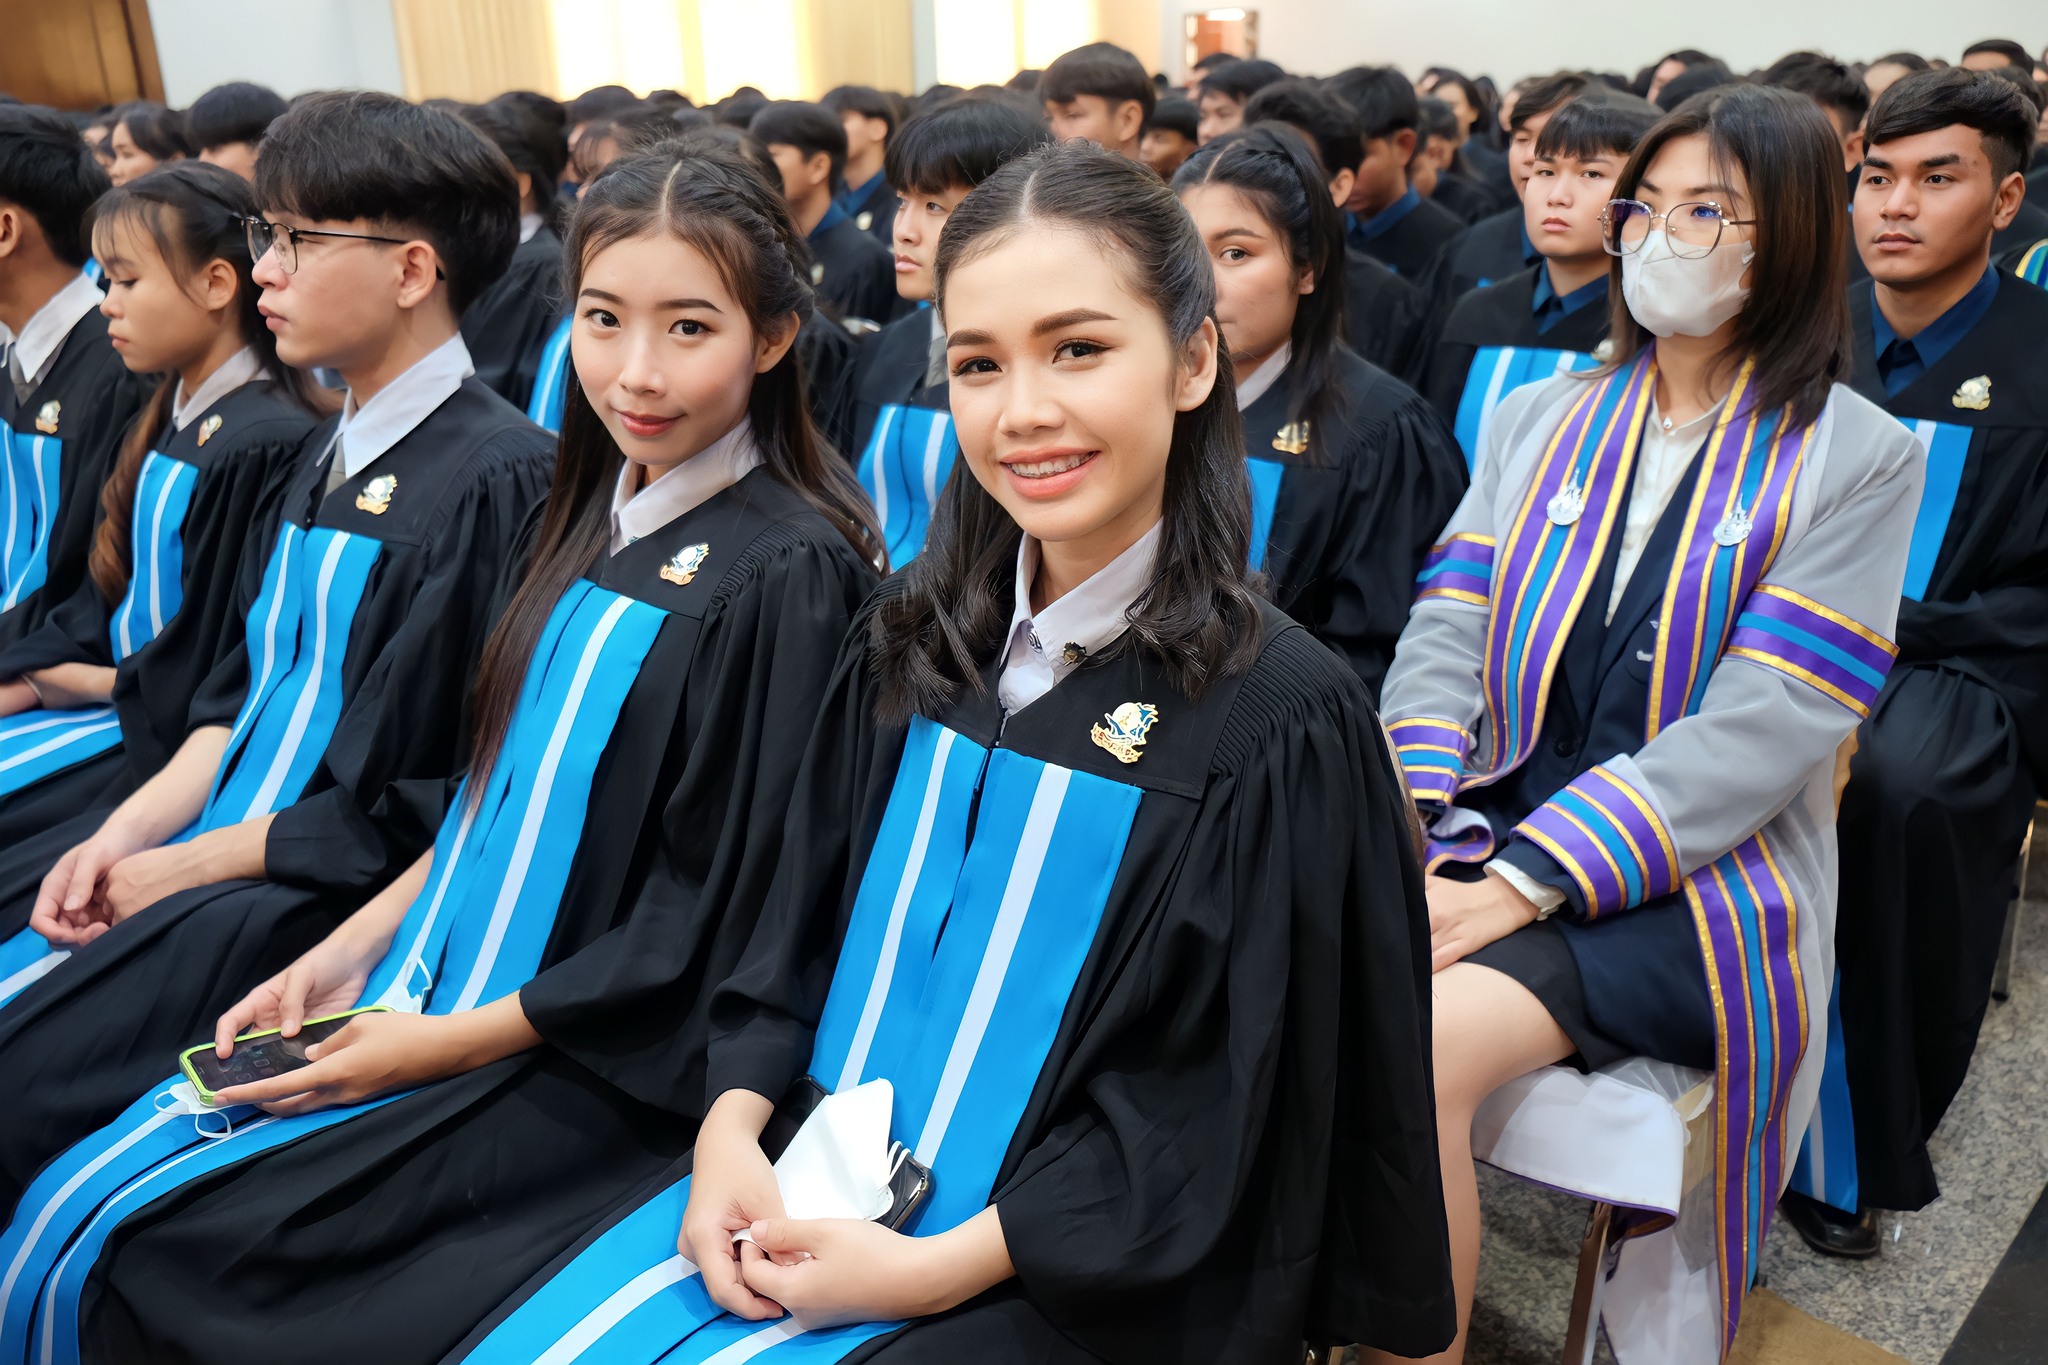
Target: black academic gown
[(891, 369), (1230, 1146), (1385, 315), (1641, 979), (250, 438), (1357, 512), (854, 271), (2028, 226), (1463, 197), (829, 353), (1502, 314), (390, 1235), (1955, 749), (873, 210), (467, 477), (507, 325), (1412, 243), (86, 400), (1485, 253)]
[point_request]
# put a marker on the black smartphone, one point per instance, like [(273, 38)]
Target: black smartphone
[(908, 1187), (259, 1056)]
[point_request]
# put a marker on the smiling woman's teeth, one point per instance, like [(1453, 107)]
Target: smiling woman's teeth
[(1045, 469)]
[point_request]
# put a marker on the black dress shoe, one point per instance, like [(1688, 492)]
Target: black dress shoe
[(1830, 1231)]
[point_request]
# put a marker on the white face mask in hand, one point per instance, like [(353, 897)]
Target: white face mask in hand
[(1684, 295)]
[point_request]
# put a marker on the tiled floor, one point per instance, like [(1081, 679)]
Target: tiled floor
[(1991, 1154)]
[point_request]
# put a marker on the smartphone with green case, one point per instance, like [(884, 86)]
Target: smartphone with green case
[(261, 1055)]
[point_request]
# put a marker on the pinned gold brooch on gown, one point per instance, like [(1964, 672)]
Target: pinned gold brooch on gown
[(1291, 439), (1125, 733), (46, 420), (684, 563), (1974, 394), (376, 495), (864, 220), (208, 427)]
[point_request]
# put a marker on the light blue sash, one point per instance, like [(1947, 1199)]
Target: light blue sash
[(551, 382), (905, 466), (987, 883), (1498, 371), (31, 466), (475, 934)]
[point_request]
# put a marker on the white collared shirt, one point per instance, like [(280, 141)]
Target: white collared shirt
[(683, 488), (1254, 385), (1661, 462), (42, 336), (237, 370), (529, 224), (1045, 647), (384, 421)]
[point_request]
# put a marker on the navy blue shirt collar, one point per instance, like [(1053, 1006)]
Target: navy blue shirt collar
[(1901, 360), (851, 195), (834, 216), (1365, 229), (1551, 307)]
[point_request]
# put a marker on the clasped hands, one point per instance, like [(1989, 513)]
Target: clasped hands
[(109, 877)]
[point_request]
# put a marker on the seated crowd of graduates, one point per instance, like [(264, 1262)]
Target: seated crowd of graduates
[(1130, 656)]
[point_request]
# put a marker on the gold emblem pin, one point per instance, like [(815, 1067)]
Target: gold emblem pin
[(1604, 352), (376, 495), (1292, 439), (46, 420), (864, 221), (683, 565), (1974, 394), (818, 273), (208, 427), (1128, 727)]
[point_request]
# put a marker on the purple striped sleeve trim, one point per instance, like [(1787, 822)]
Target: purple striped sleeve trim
[(1461, 568), (1432, 754), (1609, 838), (1802, 639)]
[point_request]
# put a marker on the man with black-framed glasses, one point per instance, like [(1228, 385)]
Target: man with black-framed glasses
[(320, 752), (1956, 746)]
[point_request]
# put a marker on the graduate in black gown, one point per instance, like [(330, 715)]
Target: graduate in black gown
[(1499, 245), (1352, 474), (1950, 761), (902, 434), (644, 704), (1552, 316), (869, 117), (1386, 217), (66, 398), (319, 753), (1436, 150), (849, 268), (95, 700), (1384, 314), (507, 327), (1084, 767)]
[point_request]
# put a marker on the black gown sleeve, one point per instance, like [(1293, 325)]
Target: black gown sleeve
[(378, 796), (76, 631), (631, 1005), (1254, 1090), (829, 354)]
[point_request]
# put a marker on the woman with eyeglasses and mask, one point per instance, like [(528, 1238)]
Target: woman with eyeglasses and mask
[(1657, 615)]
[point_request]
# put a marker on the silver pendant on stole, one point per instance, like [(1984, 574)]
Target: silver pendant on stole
[(1567, 504), (1732, 529)]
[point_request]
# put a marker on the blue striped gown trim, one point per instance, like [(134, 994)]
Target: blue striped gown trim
[(1266, 476), (24, 960), (1826, 1168), (36, 744), (1948, 454), (484, 931), (551, 380), (33, 488), (298, 641), (909, 457), (156, 545), (1496, 372), (995, 963)]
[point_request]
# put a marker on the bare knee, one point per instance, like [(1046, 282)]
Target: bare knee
[(1487, 1029)]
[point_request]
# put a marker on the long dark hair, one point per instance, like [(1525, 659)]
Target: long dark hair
[(1795, 324), (193, 212), (718, 203), (1198, 617), (158, 131), (1271, 165)]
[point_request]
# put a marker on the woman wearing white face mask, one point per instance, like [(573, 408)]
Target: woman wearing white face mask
[(1650, 624)]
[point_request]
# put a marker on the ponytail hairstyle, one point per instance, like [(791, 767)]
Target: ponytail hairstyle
[(1272, 165), (193, 212), (720, 204), (1198, 618)]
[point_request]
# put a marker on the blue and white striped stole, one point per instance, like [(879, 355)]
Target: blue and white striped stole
[(1948, 453), (31, 468), (1498, 371), (551, 382), (988, 880), (908, 459), (475, 933)]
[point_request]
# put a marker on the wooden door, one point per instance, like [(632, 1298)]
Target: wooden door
[(78, 54)]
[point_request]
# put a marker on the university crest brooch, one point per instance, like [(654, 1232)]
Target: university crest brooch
[(683, 565), (1126, 731)]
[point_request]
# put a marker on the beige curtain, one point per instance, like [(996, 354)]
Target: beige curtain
[(474, 49), (854, 42)]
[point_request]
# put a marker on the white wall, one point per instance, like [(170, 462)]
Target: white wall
[(292, 47), (1510, 39)]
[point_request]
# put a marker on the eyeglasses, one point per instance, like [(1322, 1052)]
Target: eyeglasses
[(1693, 229), (265, 235)]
